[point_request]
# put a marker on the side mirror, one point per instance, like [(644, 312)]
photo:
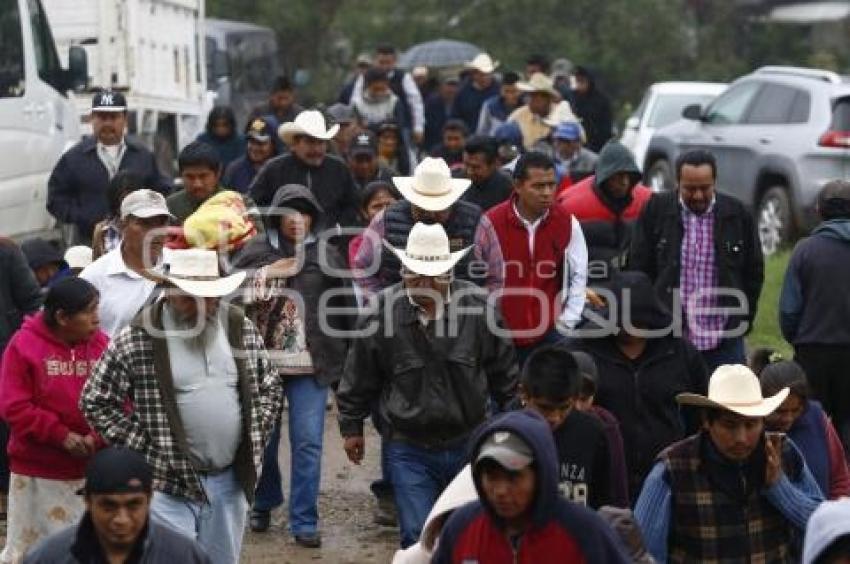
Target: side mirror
[(78, 68), (692, 112), (633, 122)]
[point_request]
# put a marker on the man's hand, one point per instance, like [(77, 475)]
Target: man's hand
[(594, 299), (76, 445), (354, 447), (91, 443), (284, 268), (773, 454)]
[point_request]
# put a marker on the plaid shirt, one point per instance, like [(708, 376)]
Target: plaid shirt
[(149, 422), (699, 274)]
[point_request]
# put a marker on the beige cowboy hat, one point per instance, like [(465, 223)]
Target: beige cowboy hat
[(431, 187), (561, 112), (428, 252), (539, 82), (195, 271), (482, 62), (310, 123), (735, 388)]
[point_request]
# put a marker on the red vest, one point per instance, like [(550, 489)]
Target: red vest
[(541, 272), (582, 201)]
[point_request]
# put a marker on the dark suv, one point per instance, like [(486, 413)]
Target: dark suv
[(779, 134)]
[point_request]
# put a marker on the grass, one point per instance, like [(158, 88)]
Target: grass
[(765, 331)]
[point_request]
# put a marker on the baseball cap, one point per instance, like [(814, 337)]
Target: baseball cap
[(117, 470), (568, 131), (507, 449), (109, 101), (260, 130), (363, 144), (144, 203), (78, 256)]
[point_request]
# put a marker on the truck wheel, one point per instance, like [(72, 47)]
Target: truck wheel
[(774, 220), (660, 176)]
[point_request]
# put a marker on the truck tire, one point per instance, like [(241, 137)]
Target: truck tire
[(774, 220), (660, 176)]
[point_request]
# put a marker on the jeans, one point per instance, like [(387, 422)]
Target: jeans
[(307, 401), (419, 476), (219, 526), (729, 351)]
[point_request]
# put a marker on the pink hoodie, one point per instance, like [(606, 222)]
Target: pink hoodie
[(40, 384)]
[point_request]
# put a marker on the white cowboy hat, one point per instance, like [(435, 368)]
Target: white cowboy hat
[(734, 387), (539, 82), (482, 62), (310, 123), (431, 187), (195, 271), (428, 252), (560, 113)]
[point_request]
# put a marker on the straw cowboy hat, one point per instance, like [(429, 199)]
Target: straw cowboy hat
[(310, 123), (735, 388), (482, 62), (428, 252), (539, 82), (431, 187), (195, 271)]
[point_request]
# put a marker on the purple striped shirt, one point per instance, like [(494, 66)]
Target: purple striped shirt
[(698, 276)]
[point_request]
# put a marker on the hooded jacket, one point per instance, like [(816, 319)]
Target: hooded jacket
[(810, 310), (559, 531), (310, 282), (828, 523), (607, 222), (42, 378), (19, 291)]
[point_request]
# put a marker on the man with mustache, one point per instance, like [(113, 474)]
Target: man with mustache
[(76, 191)]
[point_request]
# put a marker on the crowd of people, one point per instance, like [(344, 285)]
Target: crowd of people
[(553, 357)]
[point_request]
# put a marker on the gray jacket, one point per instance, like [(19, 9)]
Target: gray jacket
[(78, 544), (431, 390)]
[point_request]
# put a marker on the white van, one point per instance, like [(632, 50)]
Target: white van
[(37, 121)]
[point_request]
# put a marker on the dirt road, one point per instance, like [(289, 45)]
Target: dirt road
[(345, 511)]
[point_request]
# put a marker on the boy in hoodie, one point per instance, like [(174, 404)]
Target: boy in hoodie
[(607, 205), (520, 517), (549, 386), (813, 315)]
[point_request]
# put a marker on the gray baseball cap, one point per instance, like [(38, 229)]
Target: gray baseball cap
[(508, 449)]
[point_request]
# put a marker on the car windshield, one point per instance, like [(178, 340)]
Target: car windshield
[(669, 107)]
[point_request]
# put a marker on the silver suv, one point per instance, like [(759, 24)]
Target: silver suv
[(779, 134)]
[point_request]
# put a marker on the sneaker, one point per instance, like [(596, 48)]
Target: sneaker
[(385, 513), (309, 540), (260, 520)]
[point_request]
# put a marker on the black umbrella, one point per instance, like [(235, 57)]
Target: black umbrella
[(438, 53)]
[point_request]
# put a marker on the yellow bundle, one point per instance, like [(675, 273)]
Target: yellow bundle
[(222, 222)]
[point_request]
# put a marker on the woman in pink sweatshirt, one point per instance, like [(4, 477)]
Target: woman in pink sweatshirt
[(44, 368)]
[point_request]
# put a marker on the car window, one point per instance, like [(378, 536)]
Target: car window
[(801, 108), (668, 108), (841, 115), (46, 58), (731, 106), (773, 105), (12, 80)]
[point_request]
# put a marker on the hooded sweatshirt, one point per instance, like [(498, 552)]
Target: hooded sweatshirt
[(559, 531), (829, 522), (811, 312), (594, 109), (607, 222), (41, 381)]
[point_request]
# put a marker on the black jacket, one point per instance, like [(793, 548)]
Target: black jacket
[(76, 191), (331, 184), (78, 544), (657, 245), (593, 108), (311, 282), (19, 290), (493, 191), (432, 389), (642, 393)]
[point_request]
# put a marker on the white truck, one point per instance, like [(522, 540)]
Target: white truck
[(38, 122), (153, 52)]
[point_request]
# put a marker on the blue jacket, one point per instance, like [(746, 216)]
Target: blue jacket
[(811, 311), (474, 532), (239, 174), (467, 105), (76, 191)]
